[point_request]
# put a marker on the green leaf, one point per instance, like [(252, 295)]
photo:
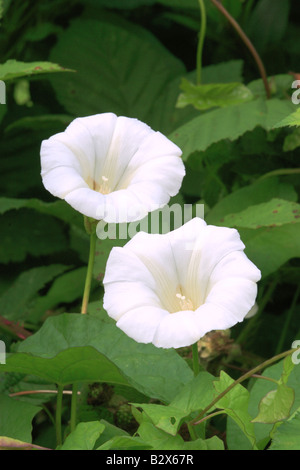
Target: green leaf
[(13, 69), (72, 365), (292, 120), (288, 366), (84, 436), (119, 4), (16, 418), (46, 122), (147, 368), (270, 242), (213, 443), (16, 302), (223, 72), (292, 141), (276, 405), (269, 248), (160, 440), (268, 22), (125, 443), (59, 209), (20, 153), (280, 85), (178, 3), (286, 437), (41, 235), (130, 81), (258, 390), (65, 289), (196, 395), (228, 123), (204, 97), (274, 213), (258, 192), (235, 404), (41, 31), (110, 432)]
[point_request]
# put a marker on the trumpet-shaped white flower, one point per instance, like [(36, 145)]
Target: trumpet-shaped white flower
[(112, 168), (172, 289)]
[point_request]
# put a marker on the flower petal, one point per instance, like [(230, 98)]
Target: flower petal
[(154, 282), (106, 154), (177, 330), (131, 295), (141, 323)]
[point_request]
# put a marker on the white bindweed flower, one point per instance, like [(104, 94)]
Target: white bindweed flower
[(112, 168), (172, 289)]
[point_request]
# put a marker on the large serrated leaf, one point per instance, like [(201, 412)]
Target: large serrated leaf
[(228, 123), (128, 81), (273, 213), (292, 120), (258, 192)]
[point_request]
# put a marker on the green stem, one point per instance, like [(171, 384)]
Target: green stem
[(202, 33), (216, 413), (73, 407), (196, 366), (280, 172), (89, 275), (192, 431), (58, 415), (287, 322), (248, 44), (246, 376)]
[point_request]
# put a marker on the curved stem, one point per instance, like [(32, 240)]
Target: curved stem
[(248, 43), (58, 415), (255, 376), (201, 40), (216, 413), (89, 275), (246, 376), (279, 172), (196, 366)]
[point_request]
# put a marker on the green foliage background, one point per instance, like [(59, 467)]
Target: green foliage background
[(61, 60)]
